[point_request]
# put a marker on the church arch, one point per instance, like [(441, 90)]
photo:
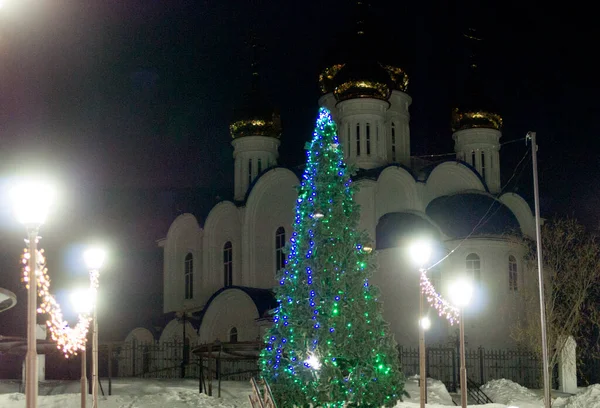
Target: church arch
[(270, 205), (449, 178), (223, 224), (396, 191)]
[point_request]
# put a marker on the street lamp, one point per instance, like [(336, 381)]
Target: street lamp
[(83, 301), (31, 203), (461, 292), (420, 251), (94, 258)]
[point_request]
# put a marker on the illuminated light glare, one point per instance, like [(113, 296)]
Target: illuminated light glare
[(420, 251), (94, 258), (461, 292), (32, 201), (313, 362), (83, 300), (425, 323), (368, 249)]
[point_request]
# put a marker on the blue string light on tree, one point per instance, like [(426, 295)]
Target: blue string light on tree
[(329, 345)]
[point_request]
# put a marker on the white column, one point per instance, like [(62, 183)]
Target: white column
[(567, 366)]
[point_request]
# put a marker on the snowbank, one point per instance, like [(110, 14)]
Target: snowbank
[(586, 398), (509, 393)]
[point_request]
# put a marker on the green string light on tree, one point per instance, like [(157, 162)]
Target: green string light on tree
[(329, 345)]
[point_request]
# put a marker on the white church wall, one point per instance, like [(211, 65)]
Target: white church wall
[(231, 308), (365, 198), (494, 307), (223, 225), (490, 315), (184, 236), (398, 283), (270, 205)]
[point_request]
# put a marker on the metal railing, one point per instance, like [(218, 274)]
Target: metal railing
[(522, 367)]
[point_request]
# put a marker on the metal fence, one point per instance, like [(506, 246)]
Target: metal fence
[(174, 360), (169, 360), (150, 360), (442, 363)]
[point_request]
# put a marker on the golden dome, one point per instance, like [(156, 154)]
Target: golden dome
[(256, 127), (469, 119), (362, 79)]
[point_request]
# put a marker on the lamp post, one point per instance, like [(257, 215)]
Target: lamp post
[(420, 252), (94, 258), (461, 292), (31, 203), (83, 301)]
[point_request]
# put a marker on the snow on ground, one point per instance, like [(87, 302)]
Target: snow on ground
[(145, 393), (510, 393), (586, 398)]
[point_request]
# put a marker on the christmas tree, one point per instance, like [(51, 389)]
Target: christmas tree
[(329, 345)]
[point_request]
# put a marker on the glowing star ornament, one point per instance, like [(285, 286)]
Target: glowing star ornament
[(313, 362), (318, 215), (69, 340)]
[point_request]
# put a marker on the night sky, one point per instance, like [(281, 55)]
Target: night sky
[(126, 106)]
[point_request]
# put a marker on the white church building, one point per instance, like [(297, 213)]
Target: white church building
[(221, 271)]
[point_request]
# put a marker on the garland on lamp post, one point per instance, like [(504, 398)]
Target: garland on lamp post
[(69, 340)]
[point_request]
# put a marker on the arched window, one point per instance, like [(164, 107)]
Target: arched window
[(483, 165), (233, 335), (250, 171), (473, 265), (227, 264), (393, 142), (368, 135), (189, 276), (512, 274), (279, 245), (358, 139)]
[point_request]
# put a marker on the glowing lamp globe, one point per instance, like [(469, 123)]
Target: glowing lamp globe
[(83, 301), (94, 258), (420, 251), (31, 202), (461, 292), (425, 323)]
